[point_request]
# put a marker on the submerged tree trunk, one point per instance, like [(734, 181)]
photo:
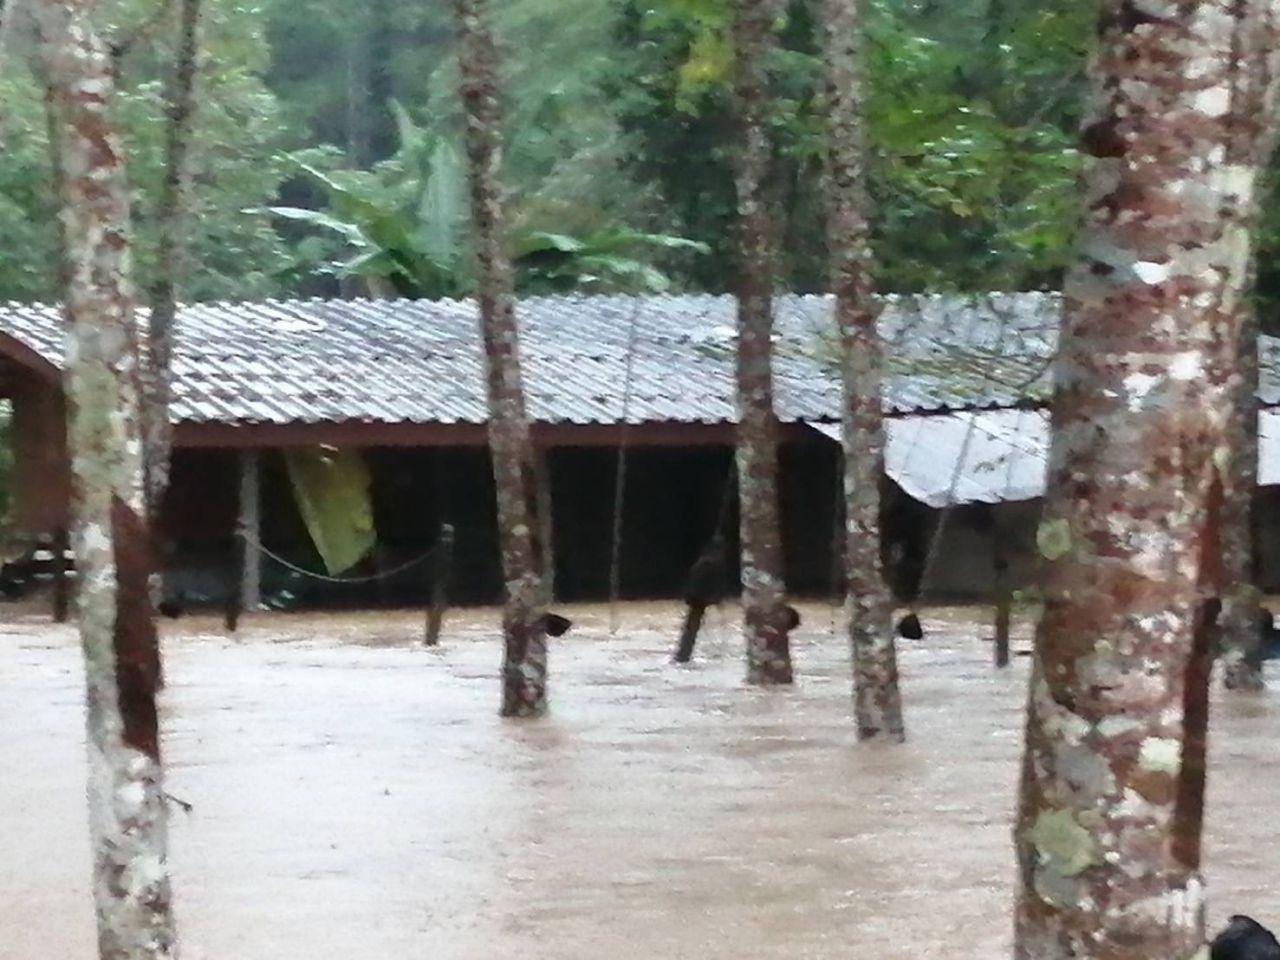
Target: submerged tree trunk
[(763, 581), (524, 688), (180, 105), (1240, 637), (1257, 89), (868, 604), (128, 823), (1108, 832)]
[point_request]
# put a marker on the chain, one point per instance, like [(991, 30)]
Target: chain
[(325, 578)]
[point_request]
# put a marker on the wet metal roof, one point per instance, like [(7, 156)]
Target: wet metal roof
[(967, 374), (987, 456), (587, 360), (994, 456)]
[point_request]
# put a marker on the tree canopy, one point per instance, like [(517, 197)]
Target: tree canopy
[(618, 130)]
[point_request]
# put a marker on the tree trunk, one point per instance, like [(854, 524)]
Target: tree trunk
[(524, 688), (868, 604), (383, 134), (180, 105), (128, 821), (1253, 141), (763, 580), (1108, 831), (1241, 639)]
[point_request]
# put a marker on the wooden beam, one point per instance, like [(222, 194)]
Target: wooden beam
[(1003, 593), (61, 582), (250, 530), (546, 524), (441, 568), (545, 435)]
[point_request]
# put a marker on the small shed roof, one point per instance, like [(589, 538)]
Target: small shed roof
[(985, 456), (587, 360), (996, 456)]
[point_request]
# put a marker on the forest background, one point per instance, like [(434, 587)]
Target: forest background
[(321, 175)]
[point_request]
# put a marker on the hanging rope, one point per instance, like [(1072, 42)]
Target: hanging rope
[(325, 578), (620, 475)]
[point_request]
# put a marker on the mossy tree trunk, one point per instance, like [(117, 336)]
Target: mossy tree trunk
[(171, 219), (524, 687), (1109, 824), (128, 822), (868, 604), (763, 577), (1257, 91)]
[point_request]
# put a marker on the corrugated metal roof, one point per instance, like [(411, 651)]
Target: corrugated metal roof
[(401, 361), (420, 361), (994, 456), (988, 456)]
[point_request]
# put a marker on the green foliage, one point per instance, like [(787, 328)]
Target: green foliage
[(27, 211), (404, 227), (618, 112), (973, 164), (606, 261), (236, 158)]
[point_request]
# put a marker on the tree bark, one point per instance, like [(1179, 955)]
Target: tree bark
[(1257, 89), (128, 821), (763, 579), (524, 687), (1108, 831), (868, 604), (180, 106)]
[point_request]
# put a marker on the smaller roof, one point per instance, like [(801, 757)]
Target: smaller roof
[(989, 456), (997, 456)]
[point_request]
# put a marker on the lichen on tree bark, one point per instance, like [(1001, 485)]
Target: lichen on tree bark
[(1256, 99), (763, 576), (128, 822), (1108, 831), (524, 669), (868, 605)]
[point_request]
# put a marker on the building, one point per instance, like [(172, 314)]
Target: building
[(646, 382)]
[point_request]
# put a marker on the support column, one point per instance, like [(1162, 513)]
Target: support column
[(441, 571), (546, 524), (1003, 593), (61, 582), (249, 529)]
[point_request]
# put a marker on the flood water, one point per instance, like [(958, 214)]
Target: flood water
[(356, 797)]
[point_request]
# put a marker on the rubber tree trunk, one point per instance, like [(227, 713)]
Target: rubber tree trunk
[(171, 221), (868, 603), (128, 824), (763, 580), (1252, 144), (1109, 821), (1240, 636), (524, 685)]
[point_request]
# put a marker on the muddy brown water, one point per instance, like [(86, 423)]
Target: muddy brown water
[(356, 797)]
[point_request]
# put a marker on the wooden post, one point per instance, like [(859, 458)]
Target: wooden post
[(245, 591), (441, 568), (1003, 595), (546, 528), (235, 582), (250, 524), (61, 582)]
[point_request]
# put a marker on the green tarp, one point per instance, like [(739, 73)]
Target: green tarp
[(331, 488)]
